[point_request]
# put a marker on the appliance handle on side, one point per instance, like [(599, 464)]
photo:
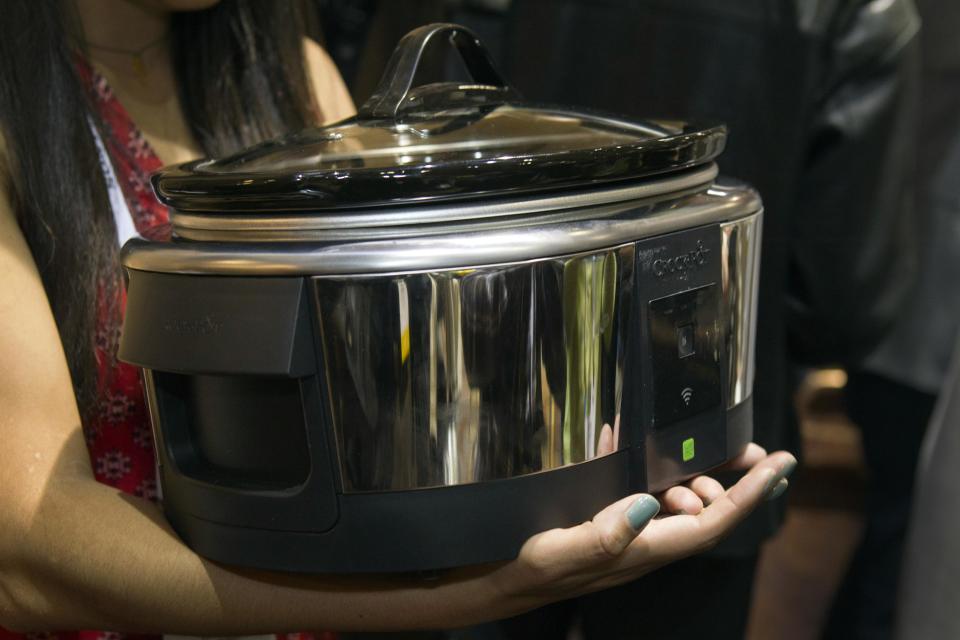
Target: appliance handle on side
[(395, 94), (231, 377), (308, 504), (214, 325)]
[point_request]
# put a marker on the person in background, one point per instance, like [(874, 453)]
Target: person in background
[(94, 95), (820, 99), (929, 593), (892, 394)]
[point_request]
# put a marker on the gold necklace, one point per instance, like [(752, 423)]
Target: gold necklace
[(136, 55)]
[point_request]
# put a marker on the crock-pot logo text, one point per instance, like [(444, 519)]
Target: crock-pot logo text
[(205, 326), (681, 264)]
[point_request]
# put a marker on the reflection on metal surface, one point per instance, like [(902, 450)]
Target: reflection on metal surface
[(512, 241), (476, 374), (741, 272)]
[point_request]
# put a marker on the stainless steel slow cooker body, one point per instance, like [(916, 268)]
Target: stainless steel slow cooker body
[(463, 372)]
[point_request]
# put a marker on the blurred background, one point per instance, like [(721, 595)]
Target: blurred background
[(845, 114)]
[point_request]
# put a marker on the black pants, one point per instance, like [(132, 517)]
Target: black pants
[(892, 419)]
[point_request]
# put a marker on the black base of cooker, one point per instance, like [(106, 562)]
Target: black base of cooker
[(422, 529), (429, 529)]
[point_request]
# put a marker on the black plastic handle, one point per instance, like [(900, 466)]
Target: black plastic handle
[(393, 95)]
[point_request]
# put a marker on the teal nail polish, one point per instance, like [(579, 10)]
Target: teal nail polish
[(788, 469), (642, 511), (772, 482), (778, 489), (784, 472)]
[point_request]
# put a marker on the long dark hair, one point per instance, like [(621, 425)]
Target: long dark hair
[(240, 76)]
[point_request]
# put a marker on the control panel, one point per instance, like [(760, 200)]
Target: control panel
[(682, 347), (685, 347)]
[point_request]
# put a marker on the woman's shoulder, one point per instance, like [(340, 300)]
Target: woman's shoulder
[(328, 86)]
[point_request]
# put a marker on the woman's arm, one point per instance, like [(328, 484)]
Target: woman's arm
[(77, 554)]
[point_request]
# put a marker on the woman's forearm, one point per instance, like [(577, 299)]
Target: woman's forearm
[(94, 558)]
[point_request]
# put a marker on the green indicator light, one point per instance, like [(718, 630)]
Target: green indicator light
[(688, 451)]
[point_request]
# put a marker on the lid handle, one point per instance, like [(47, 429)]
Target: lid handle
[(393, 94)]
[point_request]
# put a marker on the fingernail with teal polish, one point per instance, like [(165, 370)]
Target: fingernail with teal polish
[(777, 477), (772, 481), (778, 489), (788, 468), (642, 511)]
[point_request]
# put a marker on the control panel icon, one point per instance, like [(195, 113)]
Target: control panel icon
[(687, 340)]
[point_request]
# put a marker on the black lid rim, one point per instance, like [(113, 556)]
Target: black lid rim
[(187, 187)]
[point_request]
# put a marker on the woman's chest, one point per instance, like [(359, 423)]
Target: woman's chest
[(153, 117)]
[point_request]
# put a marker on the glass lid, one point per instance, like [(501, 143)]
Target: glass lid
[(438, 142)]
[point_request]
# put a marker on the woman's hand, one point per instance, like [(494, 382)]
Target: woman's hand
[(625, 541)]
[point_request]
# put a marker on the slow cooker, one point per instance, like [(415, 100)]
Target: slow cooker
[(412, 339)]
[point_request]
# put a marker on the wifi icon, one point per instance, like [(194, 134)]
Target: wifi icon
[(687, 395)]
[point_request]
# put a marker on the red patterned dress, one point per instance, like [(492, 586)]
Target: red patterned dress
[(118, 435)]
